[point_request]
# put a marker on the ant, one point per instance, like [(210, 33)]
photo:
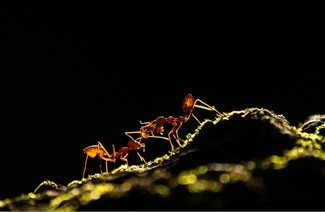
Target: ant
[(156, 126), (100, 152)]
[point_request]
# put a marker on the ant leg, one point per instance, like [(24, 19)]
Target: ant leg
[(206, 107), (100, 145), (172, 131), (170, 140), (141, 158), (162, 137), (114, 154), (100, 164), (139, 141), (132, 132), (176, 133), (196, 118), (106, 166), (124, 159), (145, 123), (83, 174), (157, 136), (109, 159)]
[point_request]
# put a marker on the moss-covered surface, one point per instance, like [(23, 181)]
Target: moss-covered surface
[(251, 159)]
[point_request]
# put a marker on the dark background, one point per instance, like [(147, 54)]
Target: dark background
[(73, 76)]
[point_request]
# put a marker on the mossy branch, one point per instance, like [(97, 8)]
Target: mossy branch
[(212, 147)]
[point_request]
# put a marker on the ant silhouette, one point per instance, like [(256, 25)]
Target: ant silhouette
[(100, 152), (157, 125)]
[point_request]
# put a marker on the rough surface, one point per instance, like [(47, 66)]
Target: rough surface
[(251, 159)]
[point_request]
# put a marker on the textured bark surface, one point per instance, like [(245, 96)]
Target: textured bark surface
[(251, 159)]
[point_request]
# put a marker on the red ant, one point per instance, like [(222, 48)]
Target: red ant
[(156, 126), (100, 152)]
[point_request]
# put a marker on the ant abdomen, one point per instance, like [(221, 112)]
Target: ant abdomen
[(93, 151)]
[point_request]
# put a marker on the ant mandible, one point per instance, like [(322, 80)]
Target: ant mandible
[(156, 126), (100, 152)]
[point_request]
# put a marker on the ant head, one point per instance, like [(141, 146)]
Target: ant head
[(188, 105), (144, 132)]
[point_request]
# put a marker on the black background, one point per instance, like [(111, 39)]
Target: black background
[(73, 76)]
